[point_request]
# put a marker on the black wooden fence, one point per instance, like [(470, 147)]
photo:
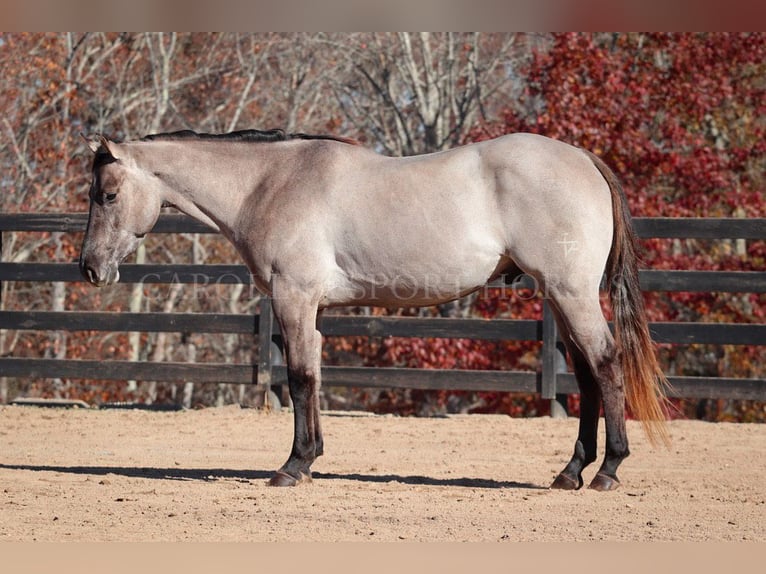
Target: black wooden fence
[(550, 382)]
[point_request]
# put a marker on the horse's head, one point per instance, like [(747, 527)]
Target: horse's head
[(124, 206)]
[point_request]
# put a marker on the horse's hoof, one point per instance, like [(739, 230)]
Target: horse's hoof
[(281, 478), (604, 483), (564, 482)]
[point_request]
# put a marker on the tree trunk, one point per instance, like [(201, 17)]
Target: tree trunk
[(136, 299), (191, 357)]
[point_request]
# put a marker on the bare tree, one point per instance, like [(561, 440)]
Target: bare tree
[(417, 93)]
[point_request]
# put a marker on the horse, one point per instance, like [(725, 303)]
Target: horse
[(322, 221)]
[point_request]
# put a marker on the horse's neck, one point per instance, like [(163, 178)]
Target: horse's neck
[(198, 184)]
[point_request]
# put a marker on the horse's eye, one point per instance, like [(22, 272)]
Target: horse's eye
[(110, 196)]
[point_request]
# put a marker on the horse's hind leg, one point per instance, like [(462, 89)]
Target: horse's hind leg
[(303, 347), (599, 376), (586, 447)]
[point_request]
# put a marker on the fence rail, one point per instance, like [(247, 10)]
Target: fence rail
[(550, 382), (218, 274)]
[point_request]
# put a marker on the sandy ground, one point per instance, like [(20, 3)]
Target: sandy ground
[(115, 475)]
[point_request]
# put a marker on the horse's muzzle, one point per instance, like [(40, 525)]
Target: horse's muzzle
[(97, 277)]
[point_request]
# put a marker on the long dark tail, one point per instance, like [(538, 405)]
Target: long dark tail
[(645, 383)]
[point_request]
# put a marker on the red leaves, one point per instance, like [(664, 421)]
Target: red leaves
[(432, 353), (675, 115)]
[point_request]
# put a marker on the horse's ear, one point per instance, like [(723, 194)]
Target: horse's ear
[(114, 150), (100, 142), (93, 143)]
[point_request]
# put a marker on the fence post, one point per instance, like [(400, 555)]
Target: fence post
[(3, 380), (554, 362), (265, 328)]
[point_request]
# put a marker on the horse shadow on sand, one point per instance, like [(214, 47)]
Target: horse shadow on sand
[(215, 474)]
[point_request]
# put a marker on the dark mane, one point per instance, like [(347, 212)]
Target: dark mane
[(275, 135)]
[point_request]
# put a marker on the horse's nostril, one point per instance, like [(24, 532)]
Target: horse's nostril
[(90, 274)]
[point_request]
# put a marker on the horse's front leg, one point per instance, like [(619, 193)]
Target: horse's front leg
[(303, 347)]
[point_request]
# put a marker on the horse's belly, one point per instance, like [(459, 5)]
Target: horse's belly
[(403, 284)]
